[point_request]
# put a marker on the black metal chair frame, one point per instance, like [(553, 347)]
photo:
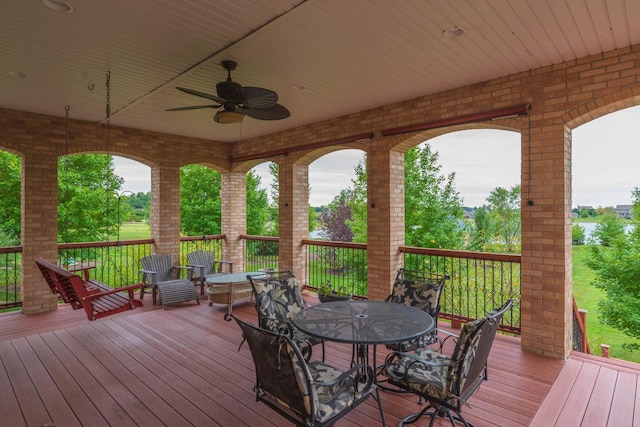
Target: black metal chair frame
[(286, 396), (414, 280), (466, 369), (286, 326)]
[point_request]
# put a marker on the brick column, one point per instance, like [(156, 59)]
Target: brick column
[(293, 216), (39, 225), (234, 217), (546, 286), (385, 219), (165, 210)]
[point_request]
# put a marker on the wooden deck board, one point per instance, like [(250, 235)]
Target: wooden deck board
[(182, 366)]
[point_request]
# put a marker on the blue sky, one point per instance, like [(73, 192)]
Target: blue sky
[(605, 163)]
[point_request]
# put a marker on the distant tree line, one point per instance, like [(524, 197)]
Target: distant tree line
[(434, 216)]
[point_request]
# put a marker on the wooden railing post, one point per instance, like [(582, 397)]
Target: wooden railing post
[(604, 348), (582, 313)]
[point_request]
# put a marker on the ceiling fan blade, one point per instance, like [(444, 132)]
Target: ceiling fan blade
[(229, 90), (193, 107), (257, 97), (201, 94), (276, 112)]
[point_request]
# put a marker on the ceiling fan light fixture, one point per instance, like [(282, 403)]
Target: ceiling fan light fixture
[(58, 5), (453, 32), (228, 117)]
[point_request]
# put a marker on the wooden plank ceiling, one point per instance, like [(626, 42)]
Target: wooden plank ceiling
[(324, 58)]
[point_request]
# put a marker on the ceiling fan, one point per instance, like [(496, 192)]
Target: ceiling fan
[(238, 101)]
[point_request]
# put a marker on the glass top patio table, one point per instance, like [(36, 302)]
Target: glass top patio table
[(364, 322), (232, 277)]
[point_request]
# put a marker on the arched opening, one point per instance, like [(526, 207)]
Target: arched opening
[(604, 179), (337, 196)]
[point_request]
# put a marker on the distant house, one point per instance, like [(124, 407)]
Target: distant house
[(624, 211)]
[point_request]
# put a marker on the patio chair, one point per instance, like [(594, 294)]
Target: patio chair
[(446, 383), (158, 274), (278, 298), (307, 394), (205, 266), (97, 299), (422, 290)]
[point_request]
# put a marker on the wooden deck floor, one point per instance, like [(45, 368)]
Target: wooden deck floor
[(182, 367)]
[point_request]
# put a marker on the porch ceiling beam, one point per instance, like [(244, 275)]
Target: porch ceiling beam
[(501, 113), (314, 145)]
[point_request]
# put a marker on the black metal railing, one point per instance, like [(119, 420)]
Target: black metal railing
[(11, 277), (115, 264), (478, 282), (260, 252), (211, 243), (341, 265)]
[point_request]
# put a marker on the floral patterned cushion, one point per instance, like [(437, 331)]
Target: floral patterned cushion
[(333, 399), (459, 370), (307, 389), (423, 294), (277, 302), (424, 373), (430, 373)]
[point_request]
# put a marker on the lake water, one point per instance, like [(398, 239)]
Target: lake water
[(589, 228)]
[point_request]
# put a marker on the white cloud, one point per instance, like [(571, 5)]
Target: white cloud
[(137, 176)]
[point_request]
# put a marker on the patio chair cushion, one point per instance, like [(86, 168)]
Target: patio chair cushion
[(421, 290), (435, 374), (277, 302), (310, 394), (446, 382)]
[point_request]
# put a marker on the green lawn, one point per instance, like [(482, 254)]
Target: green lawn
[(133, 231), (587, 297)]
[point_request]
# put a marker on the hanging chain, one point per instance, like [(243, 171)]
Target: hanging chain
[(108, 113), (66, 135), (108, 107), (66, 168)]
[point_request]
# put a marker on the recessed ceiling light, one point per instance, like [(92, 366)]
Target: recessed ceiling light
[(18, 74), (453, 32), (298, 87), (58, 5)]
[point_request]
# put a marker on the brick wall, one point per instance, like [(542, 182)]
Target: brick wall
[(562, 96)]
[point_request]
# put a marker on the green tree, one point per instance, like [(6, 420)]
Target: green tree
[(482, 230), (578, 234), (433, 208), (140, 204), (274, 206), (358, 202), (257, 206), (10, 170), (617, 273), (200, 206), (608, 229), (87, 197), (504, 209)]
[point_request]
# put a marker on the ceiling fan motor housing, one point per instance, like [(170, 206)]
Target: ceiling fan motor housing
[(238, 101)]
